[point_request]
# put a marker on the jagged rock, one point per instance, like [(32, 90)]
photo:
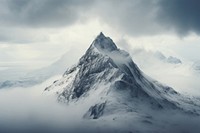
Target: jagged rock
[(95, 111)]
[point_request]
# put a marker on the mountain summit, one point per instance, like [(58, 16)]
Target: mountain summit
[(107, 81), (104, 43)]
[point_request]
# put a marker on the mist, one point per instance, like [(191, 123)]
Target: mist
[(28, 109), (31, 110), (153, 62)]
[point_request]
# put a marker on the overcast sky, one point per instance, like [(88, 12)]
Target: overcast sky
[(35, 33)]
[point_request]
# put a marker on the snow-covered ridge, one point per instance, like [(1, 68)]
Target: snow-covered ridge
[(107, 81)]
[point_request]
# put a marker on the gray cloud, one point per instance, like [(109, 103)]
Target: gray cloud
[(149, 17), (41, 13), (21, 20), (133, 17), (182, 15)]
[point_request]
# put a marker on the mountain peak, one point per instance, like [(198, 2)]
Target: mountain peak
[(101, 35), (104, 43), (108, 81)]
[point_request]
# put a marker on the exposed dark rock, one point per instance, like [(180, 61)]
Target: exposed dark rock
[(95, 111)]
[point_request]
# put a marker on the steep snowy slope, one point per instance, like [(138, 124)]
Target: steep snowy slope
[(107, 81)]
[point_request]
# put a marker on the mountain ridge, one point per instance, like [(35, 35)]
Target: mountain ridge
[(118, 83)]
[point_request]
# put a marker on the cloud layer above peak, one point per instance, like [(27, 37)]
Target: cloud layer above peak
[(136, 17)]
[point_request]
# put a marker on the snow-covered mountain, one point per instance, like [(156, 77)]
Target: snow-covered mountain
[(139, 54), (106, 82), (21, 78), (173, 60)]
